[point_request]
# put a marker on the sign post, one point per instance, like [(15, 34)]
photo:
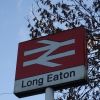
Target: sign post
[(49, 94), (57, 61)]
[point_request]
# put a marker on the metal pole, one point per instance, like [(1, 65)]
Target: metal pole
[(49, 94)]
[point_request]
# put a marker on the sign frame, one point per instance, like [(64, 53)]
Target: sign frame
[(72, 83)]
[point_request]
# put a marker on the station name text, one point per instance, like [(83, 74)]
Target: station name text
[(47, 79)]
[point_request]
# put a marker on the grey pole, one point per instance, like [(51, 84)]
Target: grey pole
[(49, 94)]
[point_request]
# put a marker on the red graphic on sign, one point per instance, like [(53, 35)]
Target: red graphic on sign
[(51, 53)]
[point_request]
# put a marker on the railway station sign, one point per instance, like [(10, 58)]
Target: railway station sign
[(56, 61)]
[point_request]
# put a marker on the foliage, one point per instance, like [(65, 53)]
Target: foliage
[(53, 16)]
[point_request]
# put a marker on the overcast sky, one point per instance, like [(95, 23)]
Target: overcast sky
[(13, 29)]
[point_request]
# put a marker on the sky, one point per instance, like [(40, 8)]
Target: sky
[(13, 29)]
